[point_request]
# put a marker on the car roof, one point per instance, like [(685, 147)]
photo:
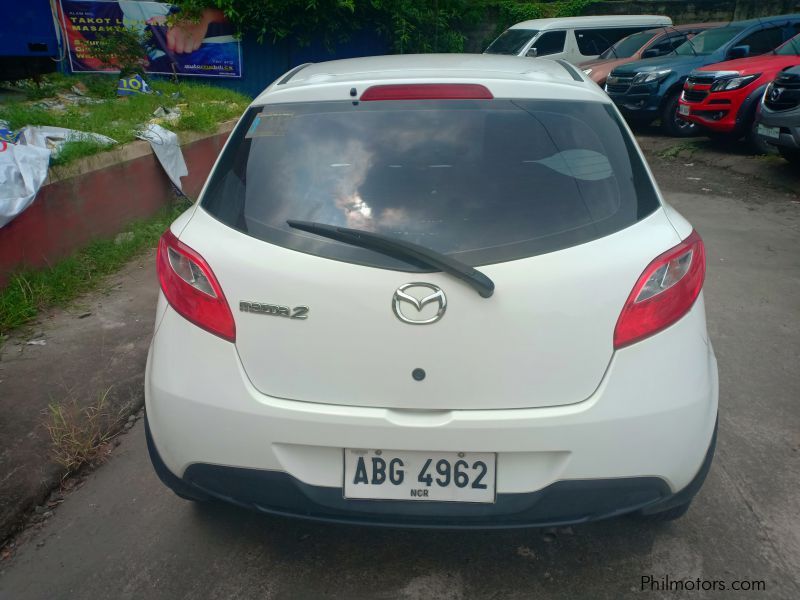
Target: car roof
[(505, 76), (765, 20), (602, 21), (689, 27), (667, 29)]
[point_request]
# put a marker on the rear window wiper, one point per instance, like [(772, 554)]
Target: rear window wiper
[(401, 250)]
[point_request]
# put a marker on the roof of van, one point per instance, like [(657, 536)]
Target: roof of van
[(326, 80), (606, 21)]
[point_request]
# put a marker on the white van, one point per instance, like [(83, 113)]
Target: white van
[(574, 39)]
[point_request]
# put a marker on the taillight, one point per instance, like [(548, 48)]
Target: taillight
[(427, 91), (664, 293), (191, 288)]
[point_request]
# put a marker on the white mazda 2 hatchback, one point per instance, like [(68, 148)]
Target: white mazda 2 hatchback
[(437, 291)]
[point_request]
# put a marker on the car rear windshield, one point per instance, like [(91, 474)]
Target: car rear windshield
[(708, 41), (511, 41), (790, 48), (627, 47), (484, 181)]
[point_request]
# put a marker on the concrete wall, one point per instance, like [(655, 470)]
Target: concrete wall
[(98, 197), (692, 11)]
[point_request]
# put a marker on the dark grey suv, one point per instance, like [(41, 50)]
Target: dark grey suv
[(779, 121)]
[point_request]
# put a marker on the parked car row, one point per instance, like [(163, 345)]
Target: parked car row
[(705, 78), (724, 99), (650, 43)]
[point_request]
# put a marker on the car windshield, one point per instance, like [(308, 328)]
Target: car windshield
[(483, 181), (511, 41), (708, 41), (627, 47), (790, 48)]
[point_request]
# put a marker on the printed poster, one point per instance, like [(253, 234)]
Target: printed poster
[(205, 48)]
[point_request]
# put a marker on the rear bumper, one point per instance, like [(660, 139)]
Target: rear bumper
[(641, 438), (638, 107), (560, 503), (639, 103)]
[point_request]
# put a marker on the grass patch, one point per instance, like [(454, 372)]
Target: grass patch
[(203, 108), (675, 150), (76, 149), (32, 291), (99, 86), (80, 435)]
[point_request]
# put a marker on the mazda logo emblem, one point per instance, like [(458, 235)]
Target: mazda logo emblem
[(411, 299)]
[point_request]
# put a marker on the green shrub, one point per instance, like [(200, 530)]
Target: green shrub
[(124, 49), (410, 25)]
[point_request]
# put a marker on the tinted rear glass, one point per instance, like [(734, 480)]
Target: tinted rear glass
[(708, 41), (550, 42), (627, 47), (790, 48), (511, 41), (484, 181)]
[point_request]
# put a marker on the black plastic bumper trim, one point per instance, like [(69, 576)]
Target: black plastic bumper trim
[(561, 503)]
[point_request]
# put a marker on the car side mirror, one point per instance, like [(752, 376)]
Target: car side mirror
[(738, 52), (533, 53), (651, 53)]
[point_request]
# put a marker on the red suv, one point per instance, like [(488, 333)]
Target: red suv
[(723, 97)]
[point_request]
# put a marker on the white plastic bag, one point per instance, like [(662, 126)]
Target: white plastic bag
[(23, 166), (23, 170), (53, 138), (168, 151)]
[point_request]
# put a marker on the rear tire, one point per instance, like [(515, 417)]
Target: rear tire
[(790, 154), (756, 144), (639, 125), (754, 141), (672, 124), (671, 514), (722, 139)]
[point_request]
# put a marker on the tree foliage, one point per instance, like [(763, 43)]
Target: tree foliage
[(410, 25), (124, 49), (277, 19)]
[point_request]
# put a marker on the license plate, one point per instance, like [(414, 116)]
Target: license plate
[(770, 132), (684, 110), (419, 476)]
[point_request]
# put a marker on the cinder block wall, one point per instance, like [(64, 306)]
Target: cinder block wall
[(691, 11)]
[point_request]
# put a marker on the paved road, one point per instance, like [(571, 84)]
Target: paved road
[(122, 535)]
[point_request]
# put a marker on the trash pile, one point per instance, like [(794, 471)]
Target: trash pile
[(77, 96), (163, 142), (168, 152), (25, 154), (24, 161)]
